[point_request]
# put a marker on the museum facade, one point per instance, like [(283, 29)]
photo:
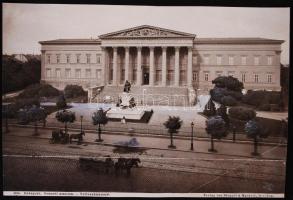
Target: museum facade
[(159, 61)]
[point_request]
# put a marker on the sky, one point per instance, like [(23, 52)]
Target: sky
[(24, 25)]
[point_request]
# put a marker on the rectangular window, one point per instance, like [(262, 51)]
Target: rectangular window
[(67, 73), (219, 60), (231, 60), (270, 60), (256, 78), (269, 76), (58, 58), (88, 58), (206, 76), (98, 58), (206, 60), (48, 73), (243, 60), (49, 59), (256, 60), (77, 58), (77, 73), (194, 76), (98, 74), (88, 73), (58, 73), (67, 58), (219, 73), (243, 77), (231, 73)]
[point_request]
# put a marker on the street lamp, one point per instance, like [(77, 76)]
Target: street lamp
[(81, 117), (191, 145), (234, 132)]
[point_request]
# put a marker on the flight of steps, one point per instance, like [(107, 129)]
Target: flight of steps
[(147, 95)]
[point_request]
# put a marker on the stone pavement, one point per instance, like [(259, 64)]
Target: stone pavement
[(225, 148)]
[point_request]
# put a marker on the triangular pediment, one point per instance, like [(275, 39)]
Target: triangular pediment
[(146, 31)]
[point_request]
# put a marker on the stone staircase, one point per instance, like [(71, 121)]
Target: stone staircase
[(147, 95)]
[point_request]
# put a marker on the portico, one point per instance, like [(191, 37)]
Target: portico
[(142, 65), (148, 56)]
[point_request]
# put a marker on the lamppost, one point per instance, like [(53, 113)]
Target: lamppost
[(234, 133), (191, 145), (81, 117)]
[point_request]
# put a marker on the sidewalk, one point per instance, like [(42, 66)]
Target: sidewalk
[(235, 150)]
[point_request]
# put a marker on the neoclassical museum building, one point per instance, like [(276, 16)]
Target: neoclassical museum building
[(163, 65)]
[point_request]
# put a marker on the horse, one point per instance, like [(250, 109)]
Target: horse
[(58, 136), (125, 164), (77, 136)]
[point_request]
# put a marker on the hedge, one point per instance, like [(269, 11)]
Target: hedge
[(242, 113)]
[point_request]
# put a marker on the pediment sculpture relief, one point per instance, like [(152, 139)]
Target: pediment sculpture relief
[(146, 32)]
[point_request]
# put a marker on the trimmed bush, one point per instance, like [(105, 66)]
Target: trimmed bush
[(228, 101), (39, 90), (29, 102), (242, 113), (72, 91), (257, 98), (265, 107)]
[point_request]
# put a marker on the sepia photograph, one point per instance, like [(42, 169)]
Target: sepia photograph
[(144, 101)]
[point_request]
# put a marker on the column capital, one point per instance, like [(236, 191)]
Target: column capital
[(126, 48), (189, 48), (115, 48), (43, 51), (139, 48), (152, 48)]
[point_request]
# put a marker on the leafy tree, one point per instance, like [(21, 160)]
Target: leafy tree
[(36, 114), (72, 91), (61, 102), (99, 117), (242, 113), (222, 111), (65, 117), (253, 130), (173, 124), (210, 108), (216, 128), (228, 101), (229, 82)]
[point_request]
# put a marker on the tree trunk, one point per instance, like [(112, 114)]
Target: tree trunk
[(36, 128), (255, 153), (65, 128), (6, 125), (212, 145), (99, 134), (172, 139)]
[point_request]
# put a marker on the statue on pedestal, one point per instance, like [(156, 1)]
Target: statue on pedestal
[(127, 86)]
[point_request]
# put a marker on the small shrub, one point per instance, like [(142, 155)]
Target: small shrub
[(275, 108), (242, 113), (265, 107), (72, 91), (228, 101)]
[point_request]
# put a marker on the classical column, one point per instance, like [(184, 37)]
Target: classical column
[(177, 71), (189, 67), (114, 66), (164, 66), (103, 64), (126, 63), (139, 71), (152, 67)]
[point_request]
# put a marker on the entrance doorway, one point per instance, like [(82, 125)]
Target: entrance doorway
[(146, 76)]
